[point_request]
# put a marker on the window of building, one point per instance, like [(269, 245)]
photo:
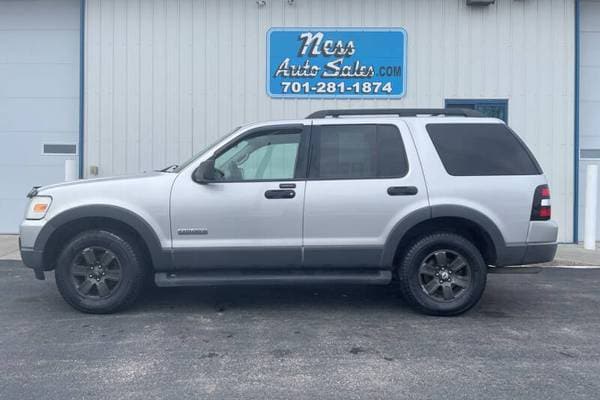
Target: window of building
[(481, 149), (59, 149), (592, 154), (270, 155), (357, 152), (491, 108)]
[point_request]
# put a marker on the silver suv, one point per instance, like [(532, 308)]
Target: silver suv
[(423, 199)]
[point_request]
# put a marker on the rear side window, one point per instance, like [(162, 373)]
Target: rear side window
[(357, 152), (481, 149)]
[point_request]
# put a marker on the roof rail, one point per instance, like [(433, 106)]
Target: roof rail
[(400, 112)]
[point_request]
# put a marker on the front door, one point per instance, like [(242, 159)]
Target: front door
[(251, 216)]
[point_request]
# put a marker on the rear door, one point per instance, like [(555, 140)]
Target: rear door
[(363, 178)]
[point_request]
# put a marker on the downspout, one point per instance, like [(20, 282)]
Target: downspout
[(576, 133), (81, 81)]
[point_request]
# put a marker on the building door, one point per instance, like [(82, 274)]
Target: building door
[(39, 98), (589, 99)]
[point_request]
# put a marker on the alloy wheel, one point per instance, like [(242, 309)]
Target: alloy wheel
[(96, 272), (444, 275)]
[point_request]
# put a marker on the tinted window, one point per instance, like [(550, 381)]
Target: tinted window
[(357, 151), (481, 149), (269, 155)]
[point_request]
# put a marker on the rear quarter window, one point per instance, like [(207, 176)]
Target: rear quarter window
[(481, 149)]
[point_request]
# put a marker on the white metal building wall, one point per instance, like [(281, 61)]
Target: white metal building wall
[(164, 78)]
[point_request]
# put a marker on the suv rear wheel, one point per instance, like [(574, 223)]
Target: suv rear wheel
[(442, 274), (100, 272)]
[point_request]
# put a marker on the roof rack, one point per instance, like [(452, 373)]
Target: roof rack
[(400, 112)]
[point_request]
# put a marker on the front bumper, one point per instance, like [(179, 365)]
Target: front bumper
[(31, 256), (33, 259)]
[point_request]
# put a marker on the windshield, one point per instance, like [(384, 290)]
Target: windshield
[(177, 168)]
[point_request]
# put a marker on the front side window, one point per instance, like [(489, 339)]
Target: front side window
[(268, 155), (357, 152)]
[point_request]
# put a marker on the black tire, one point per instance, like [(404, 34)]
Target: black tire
[(110, 283), (432, 277)]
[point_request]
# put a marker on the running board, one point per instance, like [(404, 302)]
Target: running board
[(217, 278), (514, 270)]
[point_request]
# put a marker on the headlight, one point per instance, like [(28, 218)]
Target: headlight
[(38, 207)]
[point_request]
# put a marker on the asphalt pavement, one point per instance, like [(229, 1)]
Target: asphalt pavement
[(534, 335)]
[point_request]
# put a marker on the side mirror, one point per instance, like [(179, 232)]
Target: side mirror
[(205, 173)]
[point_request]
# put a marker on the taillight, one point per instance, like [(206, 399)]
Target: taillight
[(541, 210)]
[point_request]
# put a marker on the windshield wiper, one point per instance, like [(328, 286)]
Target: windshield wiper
[(172, 166)]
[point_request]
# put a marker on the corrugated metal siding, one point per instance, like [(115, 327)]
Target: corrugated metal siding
[(164, 78)]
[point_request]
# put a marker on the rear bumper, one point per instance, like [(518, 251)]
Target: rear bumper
[(533, 253), (540, 247), (542, 232), (539, 253)]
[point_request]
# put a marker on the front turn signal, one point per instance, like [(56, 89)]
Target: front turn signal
[(38, 207)]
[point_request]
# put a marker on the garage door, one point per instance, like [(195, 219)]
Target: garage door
[(39, 98), (589, 98)]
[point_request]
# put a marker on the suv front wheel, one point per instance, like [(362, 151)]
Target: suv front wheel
[(442, 274), (100, 272)]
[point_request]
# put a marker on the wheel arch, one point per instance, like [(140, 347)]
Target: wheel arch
[(473, 224), (69, 223)]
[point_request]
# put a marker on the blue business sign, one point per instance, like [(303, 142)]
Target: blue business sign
[(336, 62)]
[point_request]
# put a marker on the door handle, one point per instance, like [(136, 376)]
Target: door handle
[(402, 190), (287, 186), (280, 194)]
